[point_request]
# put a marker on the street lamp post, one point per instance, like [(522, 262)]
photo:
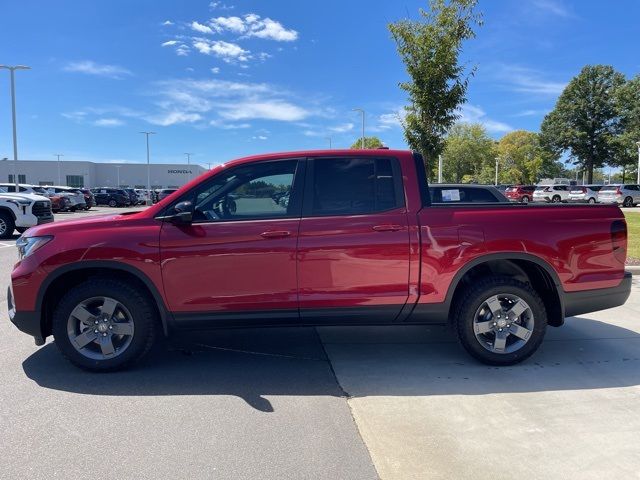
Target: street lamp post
[(638, 178), (118, 173), (12, 69), (497, 159), (149, 201), (362, 112), (329, 138), (439, 168), (58, 155), (189, 164)]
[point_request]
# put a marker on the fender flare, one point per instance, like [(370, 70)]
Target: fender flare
[(108, 265)]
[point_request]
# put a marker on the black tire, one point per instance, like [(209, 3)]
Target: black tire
[(525, 199), (7, 225), (472, 300), (138, 304), (112, 203), (628, 202), (21, 230), (592, 200), (556, 199), (73, 209)]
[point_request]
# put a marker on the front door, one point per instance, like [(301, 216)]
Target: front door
[(237, 261), (353, 249)]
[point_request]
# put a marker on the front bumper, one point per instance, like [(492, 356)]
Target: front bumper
[(27, 322), (587, 301)]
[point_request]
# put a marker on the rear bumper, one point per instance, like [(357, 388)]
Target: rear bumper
[(27, 322), (587, 301)]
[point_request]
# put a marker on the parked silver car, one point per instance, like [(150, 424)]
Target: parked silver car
[(627, 195), (552, 193), (584, 193)]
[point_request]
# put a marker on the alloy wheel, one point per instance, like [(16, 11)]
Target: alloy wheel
[(503, 323), (100, 328)]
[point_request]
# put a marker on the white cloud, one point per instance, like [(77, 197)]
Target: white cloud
[(553, 7), (252, 25), (229, 126), (220, 6), (167, 23), (345, 127), (228, 52), (108, 122), (526, 80), (172, 118), (232, 24), (92, 68), (183, 50), (473, 114), (215, 70), (170, 43), (198, 27), (260, 137), (529, 113), (227, 102), (268, 110)]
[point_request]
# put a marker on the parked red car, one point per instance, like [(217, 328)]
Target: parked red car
[(520, 193), (357, 242)]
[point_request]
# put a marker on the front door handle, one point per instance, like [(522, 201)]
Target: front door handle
[(387, 228), (275, 234)]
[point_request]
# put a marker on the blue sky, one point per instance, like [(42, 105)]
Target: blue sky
[(227, 79)]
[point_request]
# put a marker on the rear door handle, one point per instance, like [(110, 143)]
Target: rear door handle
[(275, 234), (388, 228)]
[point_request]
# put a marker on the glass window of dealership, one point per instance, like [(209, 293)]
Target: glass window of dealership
[(97, 174)]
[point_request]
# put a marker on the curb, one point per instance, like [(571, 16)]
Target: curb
[(634, 269)]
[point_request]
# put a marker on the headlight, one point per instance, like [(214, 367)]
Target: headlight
[(28, 245), (19, 203)]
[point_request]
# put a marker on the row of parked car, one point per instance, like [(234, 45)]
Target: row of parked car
[(626, 195)]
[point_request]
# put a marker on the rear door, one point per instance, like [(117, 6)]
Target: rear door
[(353, 246)]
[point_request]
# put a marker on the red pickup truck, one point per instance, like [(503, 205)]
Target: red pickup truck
[(337, 237)]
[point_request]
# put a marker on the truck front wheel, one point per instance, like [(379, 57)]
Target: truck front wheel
[(104, 325), (500, 320)]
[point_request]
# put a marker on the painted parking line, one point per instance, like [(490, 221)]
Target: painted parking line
[(7, 244)]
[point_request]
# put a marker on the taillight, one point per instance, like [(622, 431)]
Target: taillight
[(619, 240), (618, 191)]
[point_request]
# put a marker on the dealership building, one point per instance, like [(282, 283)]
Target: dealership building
[(94, 174)]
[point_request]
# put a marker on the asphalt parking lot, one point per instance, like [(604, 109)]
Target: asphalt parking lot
[(336, 403)]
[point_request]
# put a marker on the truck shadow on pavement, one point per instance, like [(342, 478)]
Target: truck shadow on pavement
[(254, 364)]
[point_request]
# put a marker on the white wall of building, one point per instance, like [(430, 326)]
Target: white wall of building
[(94, 174)]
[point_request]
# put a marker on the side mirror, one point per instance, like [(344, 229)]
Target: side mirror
[(183, 214)]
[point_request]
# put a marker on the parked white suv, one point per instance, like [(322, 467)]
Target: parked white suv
[(552, 193), (19, 211), (584, 193), (627, 195)]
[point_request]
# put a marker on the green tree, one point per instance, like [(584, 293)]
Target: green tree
[(467, 150), (369, 142), (430, 48), (585, 121), (628, 106), (522, 158)]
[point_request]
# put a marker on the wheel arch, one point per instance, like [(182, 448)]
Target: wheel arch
[(8, 210), (526, 267), (63, 278)]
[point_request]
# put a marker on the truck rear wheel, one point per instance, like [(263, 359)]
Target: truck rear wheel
[(500, 321), (104, 325), (7, 225)]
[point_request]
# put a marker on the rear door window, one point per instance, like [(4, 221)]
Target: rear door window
[(353, 186)]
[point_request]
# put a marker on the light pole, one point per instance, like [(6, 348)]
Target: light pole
[(58, 155), (149, 201), (362, 112), (439, 168), (638, 179), (12, 69), (497, 159), (189, 164), (118, 170), (329, 138)]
